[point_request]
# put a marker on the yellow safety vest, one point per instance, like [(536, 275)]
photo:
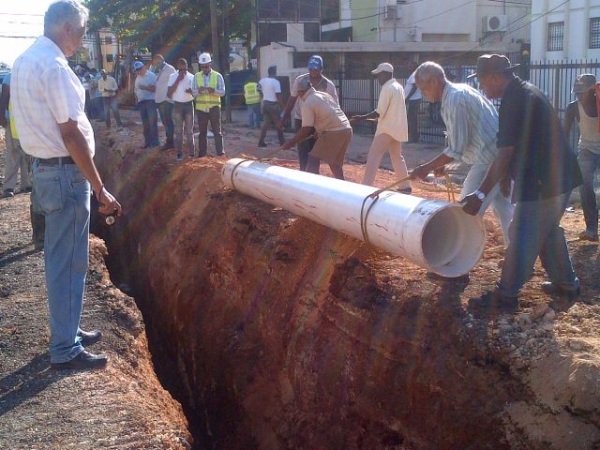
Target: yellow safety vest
[(251, 94), (206, 101), (11, 122)]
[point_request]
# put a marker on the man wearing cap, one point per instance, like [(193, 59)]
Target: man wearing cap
[(144, 88), (108, 88), (294, 103), (272, 105), (534, 152), (209, 87), (585, 112), (164, 104), (320, 111), (472, 126), (392, 127)]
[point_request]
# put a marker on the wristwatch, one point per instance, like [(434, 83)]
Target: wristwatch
[(480, 195)]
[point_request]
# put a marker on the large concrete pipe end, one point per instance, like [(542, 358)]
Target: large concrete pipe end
[(433, 234)]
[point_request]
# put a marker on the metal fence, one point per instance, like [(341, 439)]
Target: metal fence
[(554, 78)]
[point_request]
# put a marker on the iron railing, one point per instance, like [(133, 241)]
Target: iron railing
[(554, 78)]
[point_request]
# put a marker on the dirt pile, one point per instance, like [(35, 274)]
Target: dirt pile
[(123, 407), (275, 332)]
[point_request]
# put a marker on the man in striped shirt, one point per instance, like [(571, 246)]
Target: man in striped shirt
[(472, 125)]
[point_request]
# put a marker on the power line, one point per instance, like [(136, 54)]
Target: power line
[(18, 37)]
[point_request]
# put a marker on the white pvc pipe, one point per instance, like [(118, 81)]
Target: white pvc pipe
[(433, 234)]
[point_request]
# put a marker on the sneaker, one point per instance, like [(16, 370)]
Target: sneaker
[(571, 292), (8, 193), (27, 189), (179, 156), (262, 144), (588, 236), (493, 302)]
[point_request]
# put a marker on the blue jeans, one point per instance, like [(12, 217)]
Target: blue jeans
[(304, 147), (149, 122), (535, 231), (588, 163), (254, 115), (63, 195)]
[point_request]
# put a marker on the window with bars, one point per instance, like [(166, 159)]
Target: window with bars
[(595, 32), (556, 34)]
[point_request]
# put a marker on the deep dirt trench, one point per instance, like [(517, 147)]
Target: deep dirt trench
[(277, 333)]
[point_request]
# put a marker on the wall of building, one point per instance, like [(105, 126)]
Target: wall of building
[(576, 16)]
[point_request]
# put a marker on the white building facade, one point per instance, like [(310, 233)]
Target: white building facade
[(422, 30), (565, 30)]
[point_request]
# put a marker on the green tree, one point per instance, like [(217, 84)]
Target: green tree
[(173, 28)]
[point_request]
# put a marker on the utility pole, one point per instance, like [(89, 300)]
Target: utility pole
[(214, 27)]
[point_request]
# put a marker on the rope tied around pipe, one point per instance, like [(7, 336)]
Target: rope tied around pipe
[(375, 196)]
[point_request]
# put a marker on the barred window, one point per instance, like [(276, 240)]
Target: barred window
[(595, 32), (556, 34)]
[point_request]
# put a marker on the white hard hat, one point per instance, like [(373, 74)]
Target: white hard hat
[(204, 58)]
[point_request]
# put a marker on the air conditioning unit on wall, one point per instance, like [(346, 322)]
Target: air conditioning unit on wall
[(495, 23), (393, 12)]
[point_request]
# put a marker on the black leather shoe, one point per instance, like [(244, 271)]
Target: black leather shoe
[(554, 289), (89, 337), (84, 361)]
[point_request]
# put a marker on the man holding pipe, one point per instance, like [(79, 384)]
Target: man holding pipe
[(534, 152), (332, 129)]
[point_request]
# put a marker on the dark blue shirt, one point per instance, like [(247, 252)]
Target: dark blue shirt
[(543, 164)]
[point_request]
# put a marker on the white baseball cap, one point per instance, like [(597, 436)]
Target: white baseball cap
[(383, 67)]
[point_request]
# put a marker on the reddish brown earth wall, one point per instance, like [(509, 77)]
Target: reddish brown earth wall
[(277, 333)]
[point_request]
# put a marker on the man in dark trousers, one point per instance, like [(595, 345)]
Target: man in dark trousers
[(534, 153), (293, 106)]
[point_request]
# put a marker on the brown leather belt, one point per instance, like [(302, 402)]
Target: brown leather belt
[(56, 161)]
